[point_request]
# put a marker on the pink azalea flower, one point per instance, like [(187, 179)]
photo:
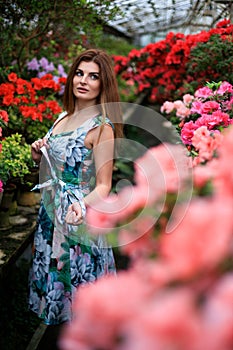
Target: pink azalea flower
[(98, 319), (172, 168), (183, 112), (178, 104), (228, 105), (206, 143), (187, 98), (103, 215), (224, 87), (203, 92), (168, 321), (167, 107), (210, 107), (223, 118), (1, 186), (196, 107), (187, 132), (223, 175), (217, 316), (137, 240), (213, 120), (202, 174), (199, 240), (169, 163)]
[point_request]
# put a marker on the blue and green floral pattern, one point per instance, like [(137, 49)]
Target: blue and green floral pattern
[(65, 256)]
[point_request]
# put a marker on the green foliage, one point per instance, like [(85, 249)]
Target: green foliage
[(47, 28), (15, 158), (37, 130), (212, 59), (114, 45), (128, 93)]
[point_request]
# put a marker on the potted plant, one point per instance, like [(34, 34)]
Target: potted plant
[(15, 163)]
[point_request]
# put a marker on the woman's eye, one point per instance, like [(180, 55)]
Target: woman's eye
[(94, 76), (79, 74)]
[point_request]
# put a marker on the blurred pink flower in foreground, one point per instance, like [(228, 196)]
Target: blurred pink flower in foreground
[(178, 290), (137, 241), (167, 321), (200, 240), (86, 331), (161, 170), (221, 169)]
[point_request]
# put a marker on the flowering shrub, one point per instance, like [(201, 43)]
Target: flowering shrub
[(168, 67), (31, 105), (43, 66), (178, 290), (27, 110), (201, 118)]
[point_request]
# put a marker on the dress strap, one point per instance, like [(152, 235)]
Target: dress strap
[(100, 120)]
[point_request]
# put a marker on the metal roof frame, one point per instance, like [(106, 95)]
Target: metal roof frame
[(150, 17)]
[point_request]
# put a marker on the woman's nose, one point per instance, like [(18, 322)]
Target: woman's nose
[(83, 79)]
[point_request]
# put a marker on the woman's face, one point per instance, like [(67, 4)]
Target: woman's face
[(86, 82)]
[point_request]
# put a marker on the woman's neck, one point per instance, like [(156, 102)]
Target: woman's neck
[(87, 109)]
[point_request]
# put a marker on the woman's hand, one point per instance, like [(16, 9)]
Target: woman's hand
[(35, 149), (74, 214)]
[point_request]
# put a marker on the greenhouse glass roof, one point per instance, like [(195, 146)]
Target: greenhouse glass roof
[(147, 20)]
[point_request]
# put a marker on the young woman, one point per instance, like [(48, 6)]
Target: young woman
[(76, 163)]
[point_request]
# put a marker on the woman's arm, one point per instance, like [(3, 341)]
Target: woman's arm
[(103, 150), (103, 156)]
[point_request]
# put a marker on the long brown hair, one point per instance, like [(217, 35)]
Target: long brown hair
[(109, 98)]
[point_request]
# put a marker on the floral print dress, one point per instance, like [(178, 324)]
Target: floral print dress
[(65, 256)]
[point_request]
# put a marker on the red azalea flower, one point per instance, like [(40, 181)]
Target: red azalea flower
[(4, 116), (54, 106), (16, 101), (42, 107), (223, 23), (62, 80), (20, 89), (24, 99), (12, 77), (50, 84), (8, 100), (37, 83), (6, 89)]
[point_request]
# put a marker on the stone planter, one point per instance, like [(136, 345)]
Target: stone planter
[(25, 196)]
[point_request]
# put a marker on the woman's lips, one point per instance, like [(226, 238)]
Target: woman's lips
[(82, 90)]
